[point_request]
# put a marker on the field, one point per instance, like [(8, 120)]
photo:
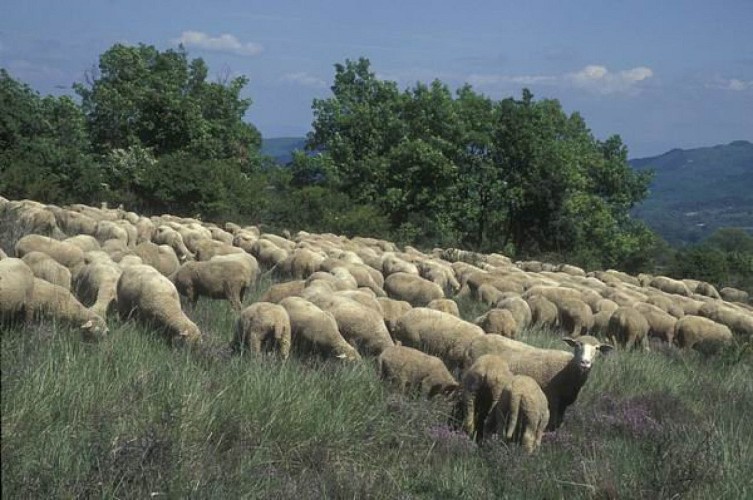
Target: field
[(131, 417)]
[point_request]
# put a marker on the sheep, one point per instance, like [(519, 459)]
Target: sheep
[(560, 374), (361, 326), (661, 325), (214, 279), (263, 323), (521, 413), (412, 288), (282, 290), (498, 322), (391, 264), (66, 254), (677, 306), (699, 332), (165, 235), (160, 257), (737, 320), (445, 305), (543, 311), (268, 254), (110, 230), (437, 333), (364, 275), (45, 267), (144, 293), (316, 330), (575, 317), (301, 263), (85, 242), (731, 294), (669, 285), (628, 327), (57, 302), (363, 296), (492, 344), (411, 369), (520, 310), (16, 288), (392, 311), (481, 386), (75, 223), (95, 285), (205, 249), (441, 274)]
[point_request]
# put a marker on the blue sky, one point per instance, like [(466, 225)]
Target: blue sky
[(660, 73)]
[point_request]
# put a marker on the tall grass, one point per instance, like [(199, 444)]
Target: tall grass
[(131, 417)]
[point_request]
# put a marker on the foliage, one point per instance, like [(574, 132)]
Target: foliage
[(44, 147)]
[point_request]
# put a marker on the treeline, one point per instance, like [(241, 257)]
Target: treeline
[(422, 165)]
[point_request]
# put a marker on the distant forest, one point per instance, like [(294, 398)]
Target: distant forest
[(423, 165)]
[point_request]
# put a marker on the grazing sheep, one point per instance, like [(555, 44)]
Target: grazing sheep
[(268, 254), (142, 291), (521, 414), (260, 324), (363, 296), (575, 317), (165, 235), (441, 274), (45, 267), (392, 311), (301, 264), (110, 230), (314, 330), (731, 294), (543, 311), (437, 333), (205, 249), (520, 310), (360, 325), (214, 279), (481, 387), (669, 285), (492, 344), (85, 242), (699, 332), (16, 288), (66, 254), (364, 275), (661, 325), (628, 327), (75, 223), (560, 374), (57, 302), (283, 290), (498, 322), (412, 288), (412, 369), (160, 257), (96, 284), (392, 264), (445, 305)]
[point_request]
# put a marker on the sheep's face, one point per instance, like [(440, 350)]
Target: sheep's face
[(585, 350)]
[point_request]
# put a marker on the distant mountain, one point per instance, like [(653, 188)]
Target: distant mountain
[(281, 148), (696, 191)]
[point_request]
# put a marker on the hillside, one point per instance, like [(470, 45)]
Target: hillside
[(282, 148), (696, 191)]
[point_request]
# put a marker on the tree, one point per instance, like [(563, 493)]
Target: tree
[(44, 147), (159, 100)]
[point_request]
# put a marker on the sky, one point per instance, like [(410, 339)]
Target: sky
[(662, 74)]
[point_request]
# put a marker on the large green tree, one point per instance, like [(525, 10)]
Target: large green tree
[(139, 96), (45, 152)]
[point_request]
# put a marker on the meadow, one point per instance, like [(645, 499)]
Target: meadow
[(131, 417)]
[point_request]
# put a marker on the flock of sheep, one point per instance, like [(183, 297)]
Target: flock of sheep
[(347, 298)]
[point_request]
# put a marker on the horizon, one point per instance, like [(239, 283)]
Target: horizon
[(678, 75)]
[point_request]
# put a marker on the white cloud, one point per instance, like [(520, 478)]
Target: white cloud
[(733, 84), (223, 43), (595, 78), (599, 79), (304, 79)]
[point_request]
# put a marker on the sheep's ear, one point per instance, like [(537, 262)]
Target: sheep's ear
[(605, 348), (89, 324), (569, 341)]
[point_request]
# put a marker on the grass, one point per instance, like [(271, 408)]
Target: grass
[(131, 417)]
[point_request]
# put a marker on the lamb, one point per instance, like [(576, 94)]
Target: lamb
[(260, 324), (481, 388), (45, 267), (437, 333), (214, 279), (95, 285), (143, 292), (699, 332), (16, 288), (57, 302), (445, 305), (411, 369), (628, 327), (521, 414), (498, 322), (316, 330), (560, 374), (66, 254), (412, 288)]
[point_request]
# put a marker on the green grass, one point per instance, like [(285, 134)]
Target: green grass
[(131, 417)]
